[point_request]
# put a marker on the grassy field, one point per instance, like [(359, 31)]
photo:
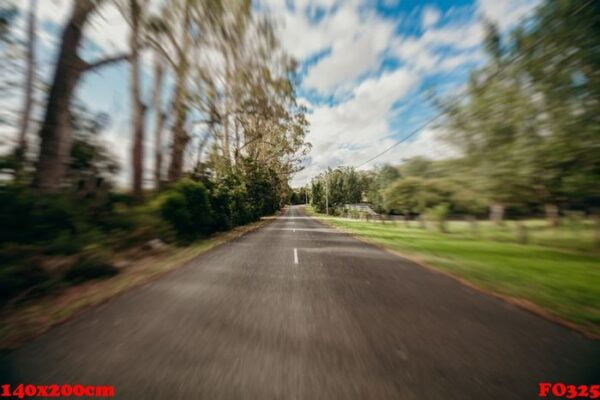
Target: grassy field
[(556, 271)]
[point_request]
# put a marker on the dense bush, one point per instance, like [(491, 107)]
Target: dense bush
[(438, 213), (17, 276), (90, 265), (34, 228), (187, 208), (199, 207), (76, 220), (27, 218), (229, 203)]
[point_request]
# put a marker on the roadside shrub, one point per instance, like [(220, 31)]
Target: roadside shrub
[(187, 208), (229, 203), (66, 243), (90, 265), (26, 217), (439, 213), (18, 276)]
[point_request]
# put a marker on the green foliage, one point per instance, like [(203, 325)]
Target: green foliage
[(414, 195), (61, 224), (17, 276), (528, 123), (90, 265), (419, 167), (28, 218), (439, 213), (264, 188), (299, 196), (342, 185), (229, 203), (187, 208), (196, 208)]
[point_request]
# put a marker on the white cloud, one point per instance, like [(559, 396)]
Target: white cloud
[(440, 49), (454, 61), (350, 57), (355, 39), (358, 127), (431, 16), (355, 130), (428, 144), (108, 29)]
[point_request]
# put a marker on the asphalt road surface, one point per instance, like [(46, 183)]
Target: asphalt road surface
[(296, 310)]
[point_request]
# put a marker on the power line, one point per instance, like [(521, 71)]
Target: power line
[(404, 139)]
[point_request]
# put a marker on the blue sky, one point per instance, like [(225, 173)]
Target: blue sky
[(365, 67)]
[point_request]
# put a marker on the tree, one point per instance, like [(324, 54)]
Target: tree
[(421, 167), (159, 118), (406, 195), (374, 182), (529, 123), (55, 132), (28, 88), (137, 119), (180, 136)]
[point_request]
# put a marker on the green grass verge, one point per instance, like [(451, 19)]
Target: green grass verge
[(553, 272), (24, 322)]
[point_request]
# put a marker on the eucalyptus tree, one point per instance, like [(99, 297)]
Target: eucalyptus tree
[(529, 124), (136, 15), (28, 89), (159, 117), (55, 133)]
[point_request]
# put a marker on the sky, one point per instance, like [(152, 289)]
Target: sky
[(367, 69)]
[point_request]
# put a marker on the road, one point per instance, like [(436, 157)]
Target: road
[(296, 310)]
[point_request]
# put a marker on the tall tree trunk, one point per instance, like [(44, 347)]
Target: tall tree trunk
[(159, 118), (55, 133), (237, 141), (28, 92), (137, 148), (226, 152), (226, 147), (180, 136)]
